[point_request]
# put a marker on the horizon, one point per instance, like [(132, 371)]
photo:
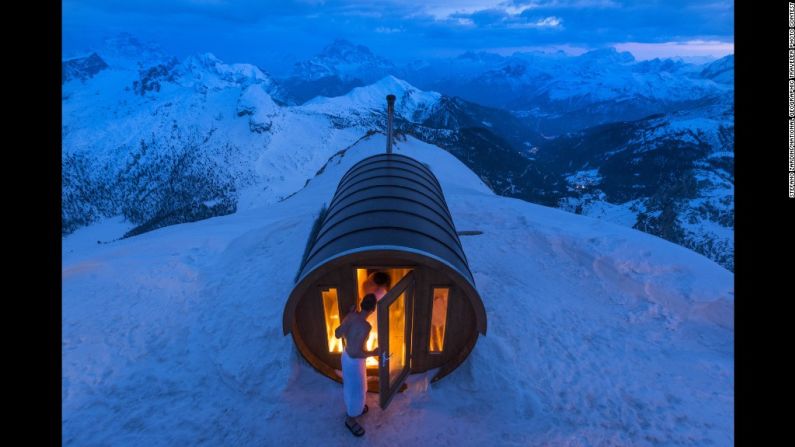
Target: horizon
[(283, 70)]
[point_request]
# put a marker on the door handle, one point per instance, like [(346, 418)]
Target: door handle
[(384, 358)]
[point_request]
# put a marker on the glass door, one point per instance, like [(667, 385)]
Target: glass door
[(394, 336)]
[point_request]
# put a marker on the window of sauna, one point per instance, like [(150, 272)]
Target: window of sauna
[(331, 312), (438, 318)]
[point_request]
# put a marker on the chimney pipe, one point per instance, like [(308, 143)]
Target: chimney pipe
[(390, 111)]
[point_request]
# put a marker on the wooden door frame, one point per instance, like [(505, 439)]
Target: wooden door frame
[(407, 287)]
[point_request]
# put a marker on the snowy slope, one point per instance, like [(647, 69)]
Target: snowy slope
[(670, 175), (598, 334)]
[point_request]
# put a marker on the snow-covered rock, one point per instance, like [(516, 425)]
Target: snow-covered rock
[(259, 106)]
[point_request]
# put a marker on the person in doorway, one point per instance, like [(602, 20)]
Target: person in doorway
[(354, 330), (378, 284)]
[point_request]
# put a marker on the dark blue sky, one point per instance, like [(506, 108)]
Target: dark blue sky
[(266, 32)]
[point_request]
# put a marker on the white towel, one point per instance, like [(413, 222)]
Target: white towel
[(354, 384)]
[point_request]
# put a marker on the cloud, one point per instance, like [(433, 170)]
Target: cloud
[(387, 30), (519, 6), (249, 30), (498, 18), (547, 22)]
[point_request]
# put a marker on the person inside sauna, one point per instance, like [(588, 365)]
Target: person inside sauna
[(378, 284)]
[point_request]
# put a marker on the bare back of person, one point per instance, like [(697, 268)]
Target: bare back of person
[(355, 330)]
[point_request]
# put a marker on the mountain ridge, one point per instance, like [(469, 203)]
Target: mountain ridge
[(125, 124)]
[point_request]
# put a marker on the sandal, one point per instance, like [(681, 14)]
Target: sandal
[(356, 429)]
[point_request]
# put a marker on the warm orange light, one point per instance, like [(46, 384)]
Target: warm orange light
[(372, 339), (372, 342), (332, 314), (397, 337), (395, 274), (438, 319)]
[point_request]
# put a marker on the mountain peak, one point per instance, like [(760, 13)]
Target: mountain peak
[(208, 70), (395, 85), (345, 60), (127, 50), (346, 51), (377, 91), (609, 55), (412, 103), (658, 65), (204, 59), (721, 70), (480, 57), (82, 67)]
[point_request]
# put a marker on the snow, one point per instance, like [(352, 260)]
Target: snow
[(103, 231), (269, 150), (603, 75), (595, 206), (345, 60), (212, 72), (256, 102), (598, 334), (581, 179), (410, 103), (274, 149)]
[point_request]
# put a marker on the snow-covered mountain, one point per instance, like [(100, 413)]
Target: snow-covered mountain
[(338, 68), (124, 50), (82, 68), (722, 70), (598, 334), (345, 60), (411, 104), (184, 140), (559, 93), (670, 175), (554, 92)]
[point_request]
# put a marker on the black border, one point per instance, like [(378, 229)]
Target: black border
[(53, 239)]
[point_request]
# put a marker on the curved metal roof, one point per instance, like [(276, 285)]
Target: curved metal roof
[(388, 200)]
